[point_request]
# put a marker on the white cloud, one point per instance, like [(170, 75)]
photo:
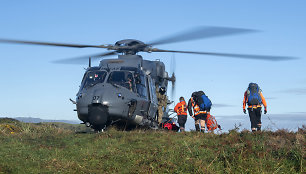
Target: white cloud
[(222, 105), (296, 91), (270, 98)]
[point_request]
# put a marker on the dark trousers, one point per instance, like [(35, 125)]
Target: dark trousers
[(200, 121), (182, 120), (255, 118)]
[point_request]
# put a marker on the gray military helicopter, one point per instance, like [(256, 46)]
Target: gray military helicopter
[(126, 89)]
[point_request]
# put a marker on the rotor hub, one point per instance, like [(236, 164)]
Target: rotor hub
[(129, 46)]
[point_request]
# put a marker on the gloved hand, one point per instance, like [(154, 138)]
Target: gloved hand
[(244, 111), (265, 111)]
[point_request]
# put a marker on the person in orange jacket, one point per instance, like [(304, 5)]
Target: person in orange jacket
[(198, 115), (254, 98), (181, 110)]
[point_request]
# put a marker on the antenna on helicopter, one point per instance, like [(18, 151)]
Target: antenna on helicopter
[(89, 62)]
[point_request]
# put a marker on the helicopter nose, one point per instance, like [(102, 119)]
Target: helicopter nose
[(98, 115)]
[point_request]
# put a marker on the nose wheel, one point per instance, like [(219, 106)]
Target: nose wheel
[(99, 129), (98, 117)]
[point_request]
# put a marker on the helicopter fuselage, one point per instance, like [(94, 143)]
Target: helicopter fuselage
[(121, 89)]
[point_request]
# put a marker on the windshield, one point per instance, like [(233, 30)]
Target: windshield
[(94, 77), (122, 78)]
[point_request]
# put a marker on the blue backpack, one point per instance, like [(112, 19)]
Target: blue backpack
[(202, 100), (253, 94)]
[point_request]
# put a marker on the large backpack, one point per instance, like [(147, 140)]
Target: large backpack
[(253, 94), (211, 123), (202, 100)]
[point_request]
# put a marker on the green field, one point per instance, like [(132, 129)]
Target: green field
[(62, 148)]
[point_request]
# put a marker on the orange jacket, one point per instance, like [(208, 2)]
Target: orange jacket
[(181, 108), (245, 101), (194, 107)]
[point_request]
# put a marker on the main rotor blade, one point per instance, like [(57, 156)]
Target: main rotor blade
[(242, 56), (202, 32), (51, 44), (83, 59)]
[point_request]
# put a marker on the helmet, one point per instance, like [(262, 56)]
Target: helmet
[(162, 90), (182, 99)]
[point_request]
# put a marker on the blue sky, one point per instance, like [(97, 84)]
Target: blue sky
[(32, 86)]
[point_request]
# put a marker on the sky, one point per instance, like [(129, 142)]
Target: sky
[(32, 86)]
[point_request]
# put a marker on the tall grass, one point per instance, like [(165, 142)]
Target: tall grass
[(58, 148)]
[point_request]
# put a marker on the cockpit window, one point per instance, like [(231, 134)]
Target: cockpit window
[(122, 78), (141, 85), (94, 77)]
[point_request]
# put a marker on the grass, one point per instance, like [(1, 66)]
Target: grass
[(57, 148)]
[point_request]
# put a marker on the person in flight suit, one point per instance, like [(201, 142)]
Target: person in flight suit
[(162, 102)]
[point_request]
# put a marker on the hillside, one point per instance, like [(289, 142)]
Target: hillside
[(39, 120), (61, 147)]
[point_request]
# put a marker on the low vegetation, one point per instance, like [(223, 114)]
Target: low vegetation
[(66, 148)]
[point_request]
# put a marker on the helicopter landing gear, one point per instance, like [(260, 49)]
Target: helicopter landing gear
[(87, 124), (154, 125), (99, 129)]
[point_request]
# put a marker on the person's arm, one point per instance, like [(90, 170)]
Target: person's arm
[(189, 107), (244, 99), (263, 102)]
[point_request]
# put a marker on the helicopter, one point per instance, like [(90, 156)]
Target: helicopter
[(127, 89)]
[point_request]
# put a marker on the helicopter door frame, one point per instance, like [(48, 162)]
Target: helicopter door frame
[(152, 106)]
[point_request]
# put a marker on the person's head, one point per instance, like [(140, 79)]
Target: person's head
[(162, 90), (182, 99), (129, 77)]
